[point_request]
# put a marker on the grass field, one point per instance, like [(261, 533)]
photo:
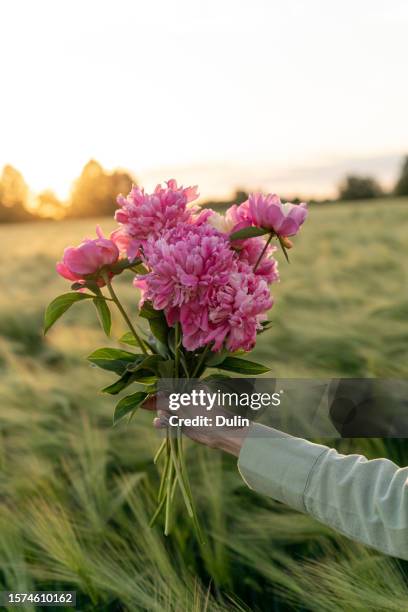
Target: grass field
[(75, 494)]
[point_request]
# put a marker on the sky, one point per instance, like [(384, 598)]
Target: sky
[(281, 95)]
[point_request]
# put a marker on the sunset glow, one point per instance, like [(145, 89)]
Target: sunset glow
[(285, 95)]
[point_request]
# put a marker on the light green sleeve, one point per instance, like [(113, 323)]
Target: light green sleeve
[(365, 500)]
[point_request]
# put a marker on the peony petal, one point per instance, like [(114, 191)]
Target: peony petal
[(66, 272)]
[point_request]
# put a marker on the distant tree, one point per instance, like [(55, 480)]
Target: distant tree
[(13, 188), (240, 196), (401, 188), (48, 206), (14, 194), (359, 188), (94, 192)]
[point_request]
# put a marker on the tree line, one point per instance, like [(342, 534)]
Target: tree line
[(355, 187), (94, 193)]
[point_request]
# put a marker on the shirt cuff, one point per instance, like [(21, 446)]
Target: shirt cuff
[(278, 465)]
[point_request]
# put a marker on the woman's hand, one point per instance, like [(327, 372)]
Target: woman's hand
[(226, 438)]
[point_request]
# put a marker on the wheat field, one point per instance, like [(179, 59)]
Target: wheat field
[(76, 494)]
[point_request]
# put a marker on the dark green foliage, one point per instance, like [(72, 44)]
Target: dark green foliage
[(104, 314), (241, 366), (94, 193), (248, 232), (60, 305), (128, 405), (401, 188), (359, 188), (114, 360)]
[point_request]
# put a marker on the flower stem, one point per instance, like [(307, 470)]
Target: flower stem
[(157, 512), (160, 451), (169, 488), (186, 483), (161, 493), (180, 477), (201, 360), (103, 297), (271, 235), (124, 314), (177, 350)]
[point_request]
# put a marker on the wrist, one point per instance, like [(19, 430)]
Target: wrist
[(232, 442)]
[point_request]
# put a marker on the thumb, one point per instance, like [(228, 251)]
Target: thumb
[(150, 403)]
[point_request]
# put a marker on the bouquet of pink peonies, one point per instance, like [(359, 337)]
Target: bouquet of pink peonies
[(204, 281)]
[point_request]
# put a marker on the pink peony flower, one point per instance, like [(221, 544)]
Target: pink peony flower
[(123, 242), (199, 280), (234, 216), (268, 212), (143, 216), (250, 252), (232, 315), (88, 258), (185, 262)]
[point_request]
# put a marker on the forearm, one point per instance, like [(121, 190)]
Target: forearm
[(365, 500), (232, 442)]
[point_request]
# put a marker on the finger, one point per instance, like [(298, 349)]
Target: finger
[(150, 403), (162, 420), (158, 423)]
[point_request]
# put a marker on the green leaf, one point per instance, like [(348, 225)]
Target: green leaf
[(149, 363), (60, 305), (128, 404), (249, 232), (157, 321), (148, 312), (151, 389), (227, 383), (123, 264), (171, 340), (265, 326), (172, 349), (104, 314), (140, 269), (214, 359), (166, 368), (128, 338), (159, 329), (144, 377), (121, 383), (88, 284), (114, 360), (77, 286), (217, 377), (158, 346), (161, 348), (242, 366)]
